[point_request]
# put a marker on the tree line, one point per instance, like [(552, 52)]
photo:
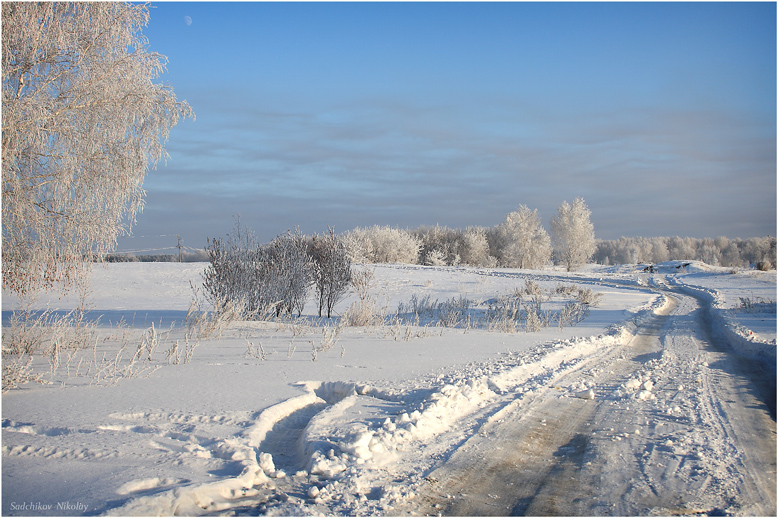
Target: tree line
[(757, 252), (520, 241)]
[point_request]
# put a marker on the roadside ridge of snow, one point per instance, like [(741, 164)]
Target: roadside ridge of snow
[(723, 323)]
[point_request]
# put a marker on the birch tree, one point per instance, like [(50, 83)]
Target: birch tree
[(524, 241), (572, 234), (82, 120)]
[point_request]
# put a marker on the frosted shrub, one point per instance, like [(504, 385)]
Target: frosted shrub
[(290, 268), (572, 313), (202, 324), (363, 313), (262, 278), (757, 305), (26, 332), (450, 313), (362, 281), (382, 244), (331, 270), (18, 371), (525, 306), (435, 258), (504, 313), (533, 291), (535, 318), (453, 312), (438, 245), (422, 307), (44, 333), (588, 297), (330, 336)]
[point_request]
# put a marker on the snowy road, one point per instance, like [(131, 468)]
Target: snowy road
[(677, 425)]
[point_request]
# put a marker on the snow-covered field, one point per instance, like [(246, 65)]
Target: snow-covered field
[(304, 417)]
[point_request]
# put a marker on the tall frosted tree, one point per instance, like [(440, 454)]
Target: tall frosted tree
[(82, 120), (524, 242), (572, 234)]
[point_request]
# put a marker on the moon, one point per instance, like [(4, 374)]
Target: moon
[(188, 20)]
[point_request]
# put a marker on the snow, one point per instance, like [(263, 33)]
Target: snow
[(353, 432)]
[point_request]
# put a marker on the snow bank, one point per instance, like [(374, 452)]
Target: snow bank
[(739, 339)]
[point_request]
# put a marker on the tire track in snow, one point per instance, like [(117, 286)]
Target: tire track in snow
[(285, 440)]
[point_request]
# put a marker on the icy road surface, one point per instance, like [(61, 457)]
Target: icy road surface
[(675, 425)]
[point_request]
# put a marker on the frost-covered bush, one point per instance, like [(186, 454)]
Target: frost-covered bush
[(363, 313), (273, 277), (757, 305), (441, 246), (454, 311), (382, 244), (450, 313), (331, 270), (504, 313)]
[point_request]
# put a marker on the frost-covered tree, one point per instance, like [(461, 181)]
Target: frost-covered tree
[(682, 249), (708, 252), (659, 253), (572, 234), (437, 245), (331, 270), (524, 243), (474, 248), (82, 120)]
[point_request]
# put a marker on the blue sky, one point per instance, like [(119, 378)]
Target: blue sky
[(662, 116)]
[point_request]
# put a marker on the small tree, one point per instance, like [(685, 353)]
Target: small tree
[(82, 120), (474, 249), (572, 234), (331, 270), (524, 241)]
